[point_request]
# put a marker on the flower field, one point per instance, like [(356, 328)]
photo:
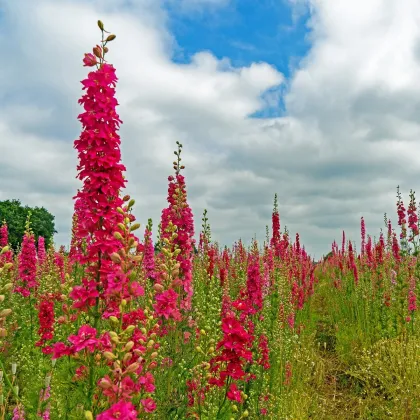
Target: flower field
[(124, 327)]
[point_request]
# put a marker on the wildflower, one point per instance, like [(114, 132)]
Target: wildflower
[(4, 235), (166, 305), (412, 301), (180, 215), (363, 234), (149, 254), (412, 217), (148, 404), (275, 218), (90, 60), (100, 171), (46, 322), (264, 352), (27, 266), (85, 338), (59, 263), (120, 410), (85, 295), (18, 413), (401, 216), (395, 248), (254, 285), (234, 394), (42, 255), (4, 240), (59, 349)]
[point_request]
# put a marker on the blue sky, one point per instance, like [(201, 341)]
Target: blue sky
[(245, 31)]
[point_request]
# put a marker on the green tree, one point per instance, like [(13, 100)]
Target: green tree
[(15, 215)]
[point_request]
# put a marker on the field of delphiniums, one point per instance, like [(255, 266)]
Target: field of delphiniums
[(124, 327)]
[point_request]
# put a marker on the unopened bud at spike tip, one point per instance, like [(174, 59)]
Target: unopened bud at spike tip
[(101, 25), (110, 38)]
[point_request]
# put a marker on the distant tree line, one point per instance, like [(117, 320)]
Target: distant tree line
[(15, 215)]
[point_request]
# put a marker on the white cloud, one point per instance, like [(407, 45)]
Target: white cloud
[(351, 134)]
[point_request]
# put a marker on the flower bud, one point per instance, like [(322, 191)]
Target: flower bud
[(129, 346), (127, 357), (105, 384), (5, 312), (109, 356), (88, 415), (115, 257), (117, 235), (97, 51), (129, 329), (132, 368), (152, 365), (89, 60), (158, 287), (110, 38), (135, 227), (101, 25)]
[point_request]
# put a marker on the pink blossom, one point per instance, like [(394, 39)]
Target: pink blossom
[(233, 394), (121, 410), (27, 267), (166, 305), (42, 255), (149, 405), (85, 338)]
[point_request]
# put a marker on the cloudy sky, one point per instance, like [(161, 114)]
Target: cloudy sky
[(317, 100)]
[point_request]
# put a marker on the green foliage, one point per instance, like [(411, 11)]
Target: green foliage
[(15, 215)]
